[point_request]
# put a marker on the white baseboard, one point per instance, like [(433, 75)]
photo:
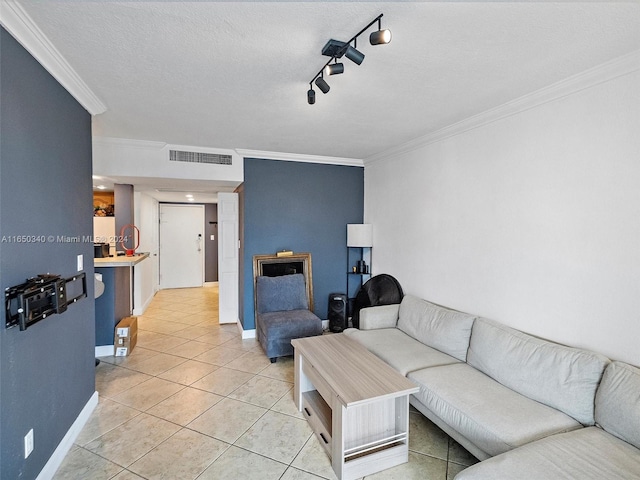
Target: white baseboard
[(246, 333), (141, 310), (210, 284), (65, 445), (104, 351)]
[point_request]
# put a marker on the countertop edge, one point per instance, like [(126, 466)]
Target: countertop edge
[(121, 261)]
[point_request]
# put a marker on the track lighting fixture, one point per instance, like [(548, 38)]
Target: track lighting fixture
[(322, 85), (337, 49), (356, 56), (381, 37), (334, 68)]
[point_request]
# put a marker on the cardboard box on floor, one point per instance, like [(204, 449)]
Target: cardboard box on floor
[(126, 336)]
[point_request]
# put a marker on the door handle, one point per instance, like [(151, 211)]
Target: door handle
[(199, 242)]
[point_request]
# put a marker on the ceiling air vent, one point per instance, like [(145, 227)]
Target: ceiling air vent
[(198, 157)]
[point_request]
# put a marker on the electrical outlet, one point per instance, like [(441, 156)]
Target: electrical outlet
[(28, 443), (80, 262)]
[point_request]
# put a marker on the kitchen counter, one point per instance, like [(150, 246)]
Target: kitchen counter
[(120, 261), (116, 302)]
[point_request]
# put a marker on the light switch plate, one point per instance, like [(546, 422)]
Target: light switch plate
[(80, 262), (28, 443)]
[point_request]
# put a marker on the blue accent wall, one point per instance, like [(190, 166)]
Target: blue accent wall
[(47, 372), (304, 207)]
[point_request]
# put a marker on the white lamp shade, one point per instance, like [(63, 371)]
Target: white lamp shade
[(359, 235)]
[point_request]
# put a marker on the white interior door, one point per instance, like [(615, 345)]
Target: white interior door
[(228, 256), (181, 246)]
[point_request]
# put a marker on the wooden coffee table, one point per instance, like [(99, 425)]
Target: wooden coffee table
[(357, 405)]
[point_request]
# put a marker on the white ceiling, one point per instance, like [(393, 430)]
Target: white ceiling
[(235, 74)]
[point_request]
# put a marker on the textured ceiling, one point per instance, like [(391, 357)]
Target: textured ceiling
[(235, 74)]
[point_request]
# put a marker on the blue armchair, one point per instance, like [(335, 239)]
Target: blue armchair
[(282, 313)]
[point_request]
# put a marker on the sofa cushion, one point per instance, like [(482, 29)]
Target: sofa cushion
[(399, 350), (562, 377), (493, 417), (276, 329), (585, 454), (438, 327), (381, 316), (618, 402), (285, 292)]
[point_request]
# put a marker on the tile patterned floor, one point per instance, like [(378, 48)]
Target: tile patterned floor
[(195, 401)]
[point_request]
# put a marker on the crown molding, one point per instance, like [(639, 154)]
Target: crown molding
[(131, 143), (128, 143), (245, 153), (20, 25), (605, 72), (299, 157)]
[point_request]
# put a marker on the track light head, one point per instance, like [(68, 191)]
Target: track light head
[(322, 85), (354, 55), (311, 96), (380, 37), (334, 68)]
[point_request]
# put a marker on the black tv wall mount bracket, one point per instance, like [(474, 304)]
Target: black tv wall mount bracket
[(40, 297)]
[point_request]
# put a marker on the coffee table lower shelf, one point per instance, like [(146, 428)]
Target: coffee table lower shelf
[(361, 437)]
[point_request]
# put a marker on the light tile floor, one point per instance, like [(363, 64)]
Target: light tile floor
[(195, 401)]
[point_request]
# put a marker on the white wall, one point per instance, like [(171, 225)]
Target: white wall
[(532, 219), (104, 231), (145, 283)]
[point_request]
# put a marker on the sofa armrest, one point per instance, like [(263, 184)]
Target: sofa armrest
[(382, 316)]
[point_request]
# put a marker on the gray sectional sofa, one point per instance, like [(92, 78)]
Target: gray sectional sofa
[(527, 407)]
